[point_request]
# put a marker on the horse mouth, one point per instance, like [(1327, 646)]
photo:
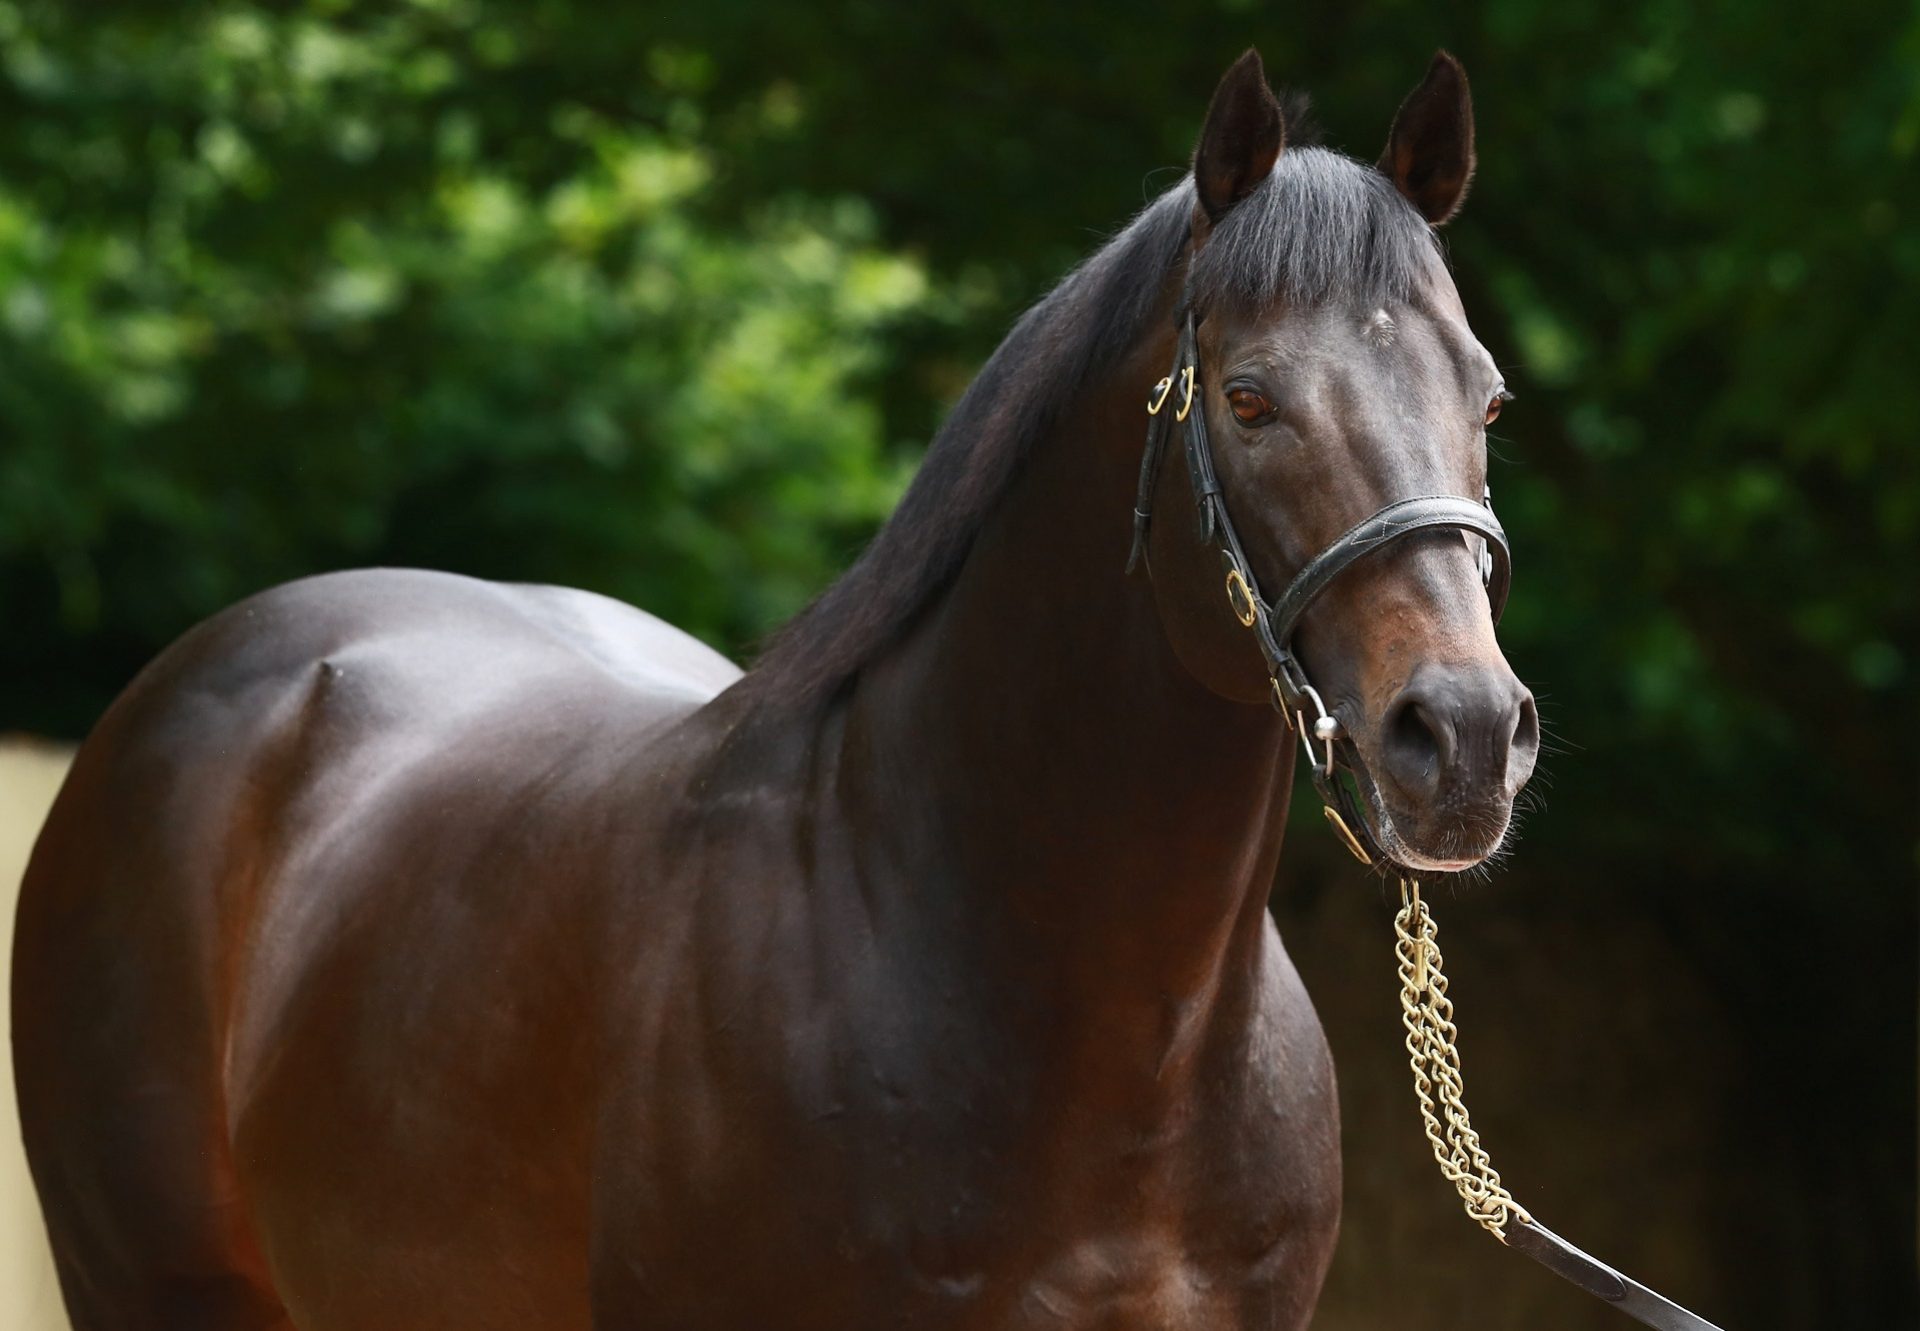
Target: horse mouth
[(1465, 839)]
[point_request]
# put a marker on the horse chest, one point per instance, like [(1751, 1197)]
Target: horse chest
[(991, 1253), (972, 1186)]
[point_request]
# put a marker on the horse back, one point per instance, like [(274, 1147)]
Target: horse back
[(324, 877)]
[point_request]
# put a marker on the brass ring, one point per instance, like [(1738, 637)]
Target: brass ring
[(1346, 835), (1154, 403), (1186, 383), (1239, 594)]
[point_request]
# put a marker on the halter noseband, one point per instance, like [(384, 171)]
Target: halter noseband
[(1273, 624)]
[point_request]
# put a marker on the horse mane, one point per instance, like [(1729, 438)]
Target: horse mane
[(1322, 227)]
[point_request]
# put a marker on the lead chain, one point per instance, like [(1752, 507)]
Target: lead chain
[(1427, 1014)]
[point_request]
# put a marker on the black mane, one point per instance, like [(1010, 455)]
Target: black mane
[(1322, 228)]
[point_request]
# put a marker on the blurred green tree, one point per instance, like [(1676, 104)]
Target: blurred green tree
[(657, 301), (660, 299), (278, 294)]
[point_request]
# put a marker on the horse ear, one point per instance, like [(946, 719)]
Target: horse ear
[(1242, 138), (1429, 156)]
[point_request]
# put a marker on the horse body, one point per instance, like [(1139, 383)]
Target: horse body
[(633, 925), (1034, 1065), (414, 953)]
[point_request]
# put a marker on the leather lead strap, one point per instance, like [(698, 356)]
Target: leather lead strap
[(1600, 1280)]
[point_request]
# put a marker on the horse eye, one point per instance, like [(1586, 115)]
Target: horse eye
[(1248, 405), (1499, 400)]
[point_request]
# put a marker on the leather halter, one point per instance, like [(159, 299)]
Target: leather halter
[(1274, 623)]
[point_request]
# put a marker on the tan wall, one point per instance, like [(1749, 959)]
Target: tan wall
[(29, 1298)]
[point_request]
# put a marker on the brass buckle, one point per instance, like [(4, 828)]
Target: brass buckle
[(1186, 384), (1345, 833), (1158, 398), (1238, 595)]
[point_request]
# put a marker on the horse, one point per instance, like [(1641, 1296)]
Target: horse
[(408, 951)]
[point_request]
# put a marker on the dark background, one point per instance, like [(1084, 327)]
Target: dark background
[(664, 300)]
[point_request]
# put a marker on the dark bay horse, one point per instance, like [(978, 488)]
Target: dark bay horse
[(410, 952)]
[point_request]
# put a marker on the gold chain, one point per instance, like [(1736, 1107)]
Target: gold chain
[(1427, 1014)]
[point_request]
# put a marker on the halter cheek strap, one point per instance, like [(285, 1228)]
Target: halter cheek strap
[(1175, 402)]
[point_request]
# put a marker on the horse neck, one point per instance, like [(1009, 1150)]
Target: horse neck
[(1035, 746)]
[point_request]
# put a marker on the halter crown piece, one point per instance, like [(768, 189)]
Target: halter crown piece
[(1273, 624)]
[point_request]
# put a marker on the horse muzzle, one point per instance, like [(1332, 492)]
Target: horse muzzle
[(1453, 748)]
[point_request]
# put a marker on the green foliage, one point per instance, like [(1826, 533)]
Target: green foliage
[(276, 299), (624, 297)]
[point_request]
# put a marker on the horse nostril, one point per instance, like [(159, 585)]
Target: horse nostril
[(1526, 729), (1417, 746)]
